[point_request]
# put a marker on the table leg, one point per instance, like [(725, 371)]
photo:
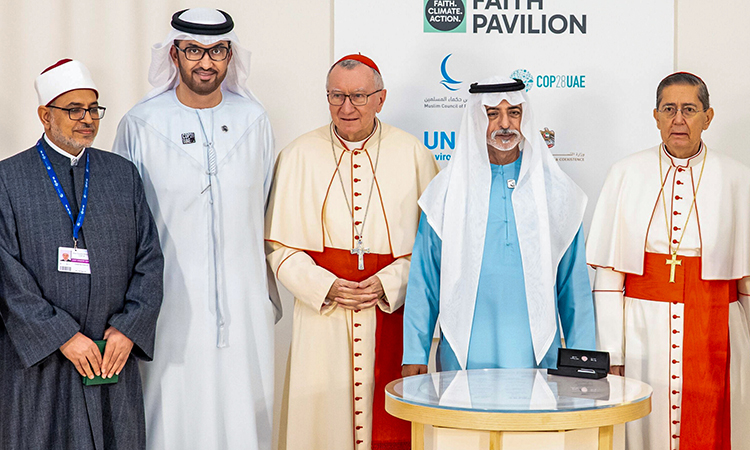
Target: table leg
[(417, 436), (496, 440), (606, 437)]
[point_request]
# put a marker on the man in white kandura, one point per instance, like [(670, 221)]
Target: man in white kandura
[(671, 228), (340, 226), (499, 255), (204, 147)]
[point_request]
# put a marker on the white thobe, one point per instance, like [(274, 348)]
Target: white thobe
[(207, 174), (644, 335)]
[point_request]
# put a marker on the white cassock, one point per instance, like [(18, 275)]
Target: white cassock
[(632, 219), (338, 356), (211, 383)]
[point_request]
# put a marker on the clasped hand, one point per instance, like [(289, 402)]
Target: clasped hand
[(356, 296), (88, 361)]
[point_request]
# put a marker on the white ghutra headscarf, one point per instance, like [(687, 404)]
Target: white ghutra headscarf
[(548, 208), (201, 25)]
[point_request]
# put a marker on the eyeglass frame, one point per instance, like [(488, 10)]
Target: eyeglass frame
[(101, 109), (205, 50), (367, 98), (680, 110)]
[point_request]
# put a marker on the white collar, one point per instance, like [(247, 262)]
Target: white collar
[(690, 161), (351, 145), (73, 159)]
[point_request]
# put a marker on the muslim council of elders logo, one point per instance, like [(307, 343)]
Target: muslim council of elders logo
[(444, 16), (447, 80), (525, 76)]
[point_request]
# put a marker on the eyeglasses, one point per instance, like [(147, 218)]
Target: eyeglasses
[(216, 53), (96, 112), (338, 99), (687, 111)]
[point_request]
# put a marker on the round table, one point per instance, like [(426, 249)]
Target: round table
[(503, 400)]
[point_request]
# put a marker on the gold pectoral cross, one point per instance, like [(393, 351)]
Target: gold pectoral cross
[(674, 262), (360, 252)]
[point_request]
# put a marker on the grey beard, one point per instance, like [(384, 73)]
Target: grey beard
[(514, 135)]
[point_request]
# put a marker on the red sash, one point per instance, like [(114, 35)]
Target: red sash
[(705, 411), (388, 432)]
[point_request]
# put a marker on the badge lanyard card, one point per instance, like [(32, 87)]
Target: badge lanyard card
[(70, 259)]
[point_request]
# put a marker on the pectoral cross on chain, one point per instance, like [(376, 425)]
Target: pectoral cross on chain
[(360, 252), (674, 262)]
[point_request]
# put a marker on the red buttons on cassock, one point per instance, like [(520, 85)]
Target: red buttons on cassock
[(358, 427), (356, 152), (674, 303), (357, 208), (676, 228), (357, 339), (675, 241), (357, 194), (357, 369), (357, 325), (675, 407), (674, 436), (679, 169), (359, 441), (356, 237), (356, 311), (357, 412), (675, 422), (675, 346), (677, 197), (674, 361), (358, 354), (357, 166), (357, 180), (676, 213), (356, 399), (675, 316), (675, 331), (674, 391), (357, 222), (674, 377), (358, 384), (680, 182)]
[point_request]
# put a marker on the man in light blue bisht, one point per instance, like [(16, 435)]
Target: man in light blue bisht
[(499, 256)]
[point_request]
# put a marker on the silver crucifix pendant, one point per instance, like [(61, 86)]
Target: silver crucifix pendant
[(360, 252)]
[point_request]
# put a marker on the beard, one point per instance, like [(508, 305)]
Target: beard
[(198, 86), (504, 139), (78, 143)]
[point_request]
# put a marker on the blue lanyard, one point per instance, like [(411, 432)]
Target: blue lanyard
[(77, 224)]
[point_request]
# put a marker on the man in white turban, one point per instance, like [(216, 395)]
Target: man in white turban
[(499, 256), (80, 281), (205, 149)]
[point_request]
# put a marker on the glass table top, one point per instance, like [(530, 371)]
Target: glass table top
[(516, 391)]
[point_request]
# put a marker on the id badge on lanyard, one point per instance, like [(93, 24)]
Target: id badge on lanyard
[(70, 259)]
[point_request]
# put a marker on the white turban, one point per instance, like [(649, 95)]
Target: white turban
[(548, 208), (64, 76)]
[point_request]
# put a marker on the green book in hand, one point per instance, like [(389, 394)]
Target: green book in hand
[(98, 378)]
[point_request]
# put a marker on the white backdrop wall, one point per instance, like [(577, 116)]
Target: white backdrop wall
[(292, 45)]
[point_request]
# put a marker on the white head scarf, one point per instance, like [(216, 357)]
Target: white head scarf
[(163, 74), (548, 208)]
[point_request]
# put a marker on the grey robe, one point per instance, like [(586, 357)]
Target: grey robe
[(43, 403)]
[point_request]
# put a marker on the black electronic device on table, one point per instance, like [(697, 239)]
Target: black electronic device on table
[(572, 362)]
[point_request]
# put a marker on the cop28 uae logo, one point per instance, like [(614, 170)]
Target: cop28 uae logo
[(444, 16)]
